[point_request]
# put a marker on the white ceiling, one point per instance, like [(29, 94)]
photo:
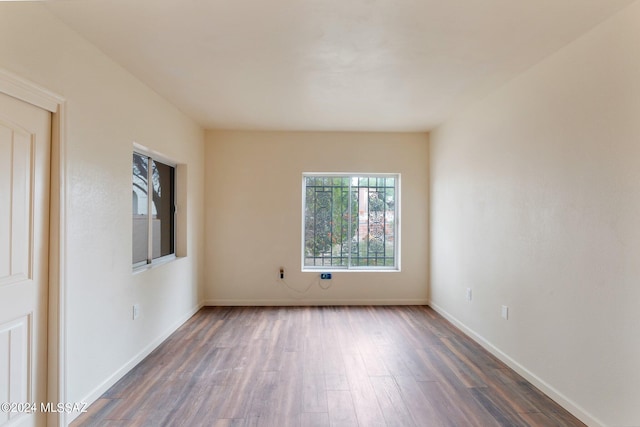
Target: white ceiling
[(361, 65)]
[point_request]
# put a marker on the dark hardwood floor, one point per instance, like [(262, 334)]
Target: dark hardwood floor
[(322, 366)]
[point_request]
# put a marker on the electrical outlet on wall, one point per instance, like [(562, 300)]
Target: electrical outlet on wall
[(468, 294), (136, 311), (505, 312)]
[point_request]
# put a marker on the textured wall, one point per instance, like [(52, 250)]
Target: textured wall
[(254, 209), (535, 205), (108, 110)]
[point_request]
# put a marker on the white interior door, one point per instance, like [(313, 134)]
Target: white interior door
[(25, 134)]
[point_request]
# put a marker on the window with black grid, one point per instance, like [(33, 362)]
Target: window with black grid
[(350, 221)]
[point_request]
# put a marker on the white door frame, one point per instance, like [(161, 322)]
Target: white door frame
[(34, 94)]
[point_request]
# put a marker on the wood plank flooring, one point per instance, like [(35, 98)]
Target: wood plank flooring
[(322, 366)]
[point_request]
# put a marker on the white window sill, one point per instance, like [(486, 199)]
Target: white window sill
[(156, 263), (350, 270)]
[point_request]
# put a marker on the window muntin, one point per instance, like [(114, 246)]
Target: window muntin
[(350, 221), (153, 217)]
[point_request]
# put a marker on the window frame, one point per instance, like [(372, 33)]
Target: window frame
[(150, 262), (397, 224)]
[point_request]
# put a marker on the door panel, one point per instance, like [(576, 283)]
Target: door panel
[(24, 215), (16, 152), (14, 361)]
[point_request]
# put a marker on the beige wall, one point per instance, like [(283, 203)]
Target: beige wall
[(254, 208), (536, 205), (108, 110)]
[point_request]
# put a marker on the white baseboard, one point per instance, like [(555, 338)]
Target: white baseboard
[(542, 385), (307, 302), (116, 376)]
